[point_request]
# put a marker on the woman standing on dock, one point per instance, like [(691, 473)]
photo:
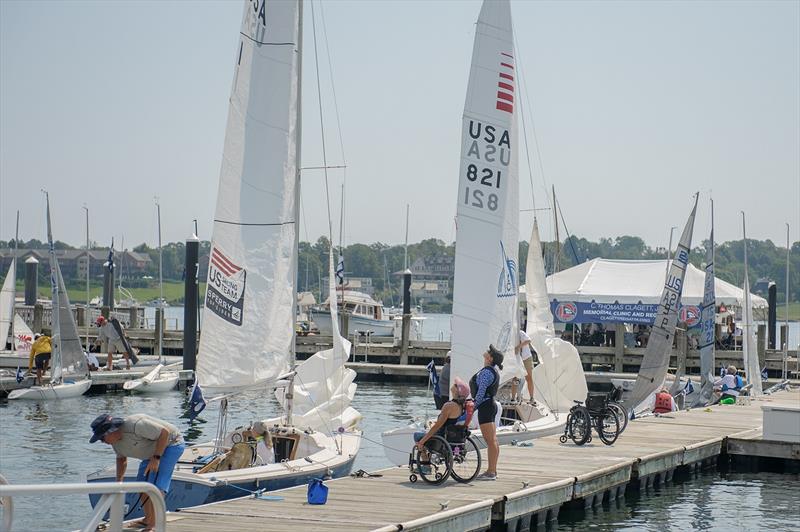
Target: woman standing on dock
[(484, 385)]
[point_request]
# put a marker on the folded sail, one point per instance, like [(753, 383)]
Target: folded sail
[(708, 326), (659, 346), (487, 233), (248, 327), (559, 378)]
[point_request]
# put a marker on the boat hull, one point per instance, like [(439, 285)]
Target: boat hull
[(66, 390), (355, 323)]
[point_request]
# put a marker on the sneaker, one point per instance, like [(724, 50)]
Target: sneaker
[(487, 476)]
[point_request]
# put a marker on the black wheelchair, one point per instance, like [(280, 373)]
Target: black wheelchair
[(597, 413), (455, 453)]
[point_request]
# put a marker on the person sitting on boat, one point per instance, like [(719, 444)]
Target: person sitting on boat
[(265, 451), (524, 350), (484, 385), (40, 356), (156, 443), (664, 402), (111, 343), (457, 411), (91, 361), (729, 385)]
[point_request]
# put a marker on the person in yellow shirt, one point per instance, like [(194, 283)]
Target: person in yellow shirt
[(40, 355)]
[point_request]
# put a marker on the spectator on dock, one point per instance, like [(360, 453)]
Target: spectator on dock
[(444, 384), (484, 385), (665, 403), (523, 350), (40, 356), (156, 443), (109, 340), (729, 385)]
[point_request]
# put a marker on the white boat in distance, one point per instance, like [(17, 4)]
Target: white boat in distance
[(365, 314), (158, 380)]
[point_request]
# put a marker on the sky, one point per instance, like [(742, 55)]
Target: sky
[(635, 107)]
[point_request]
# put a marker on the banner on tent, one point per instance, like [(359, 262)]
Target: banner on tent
[(598, 312)]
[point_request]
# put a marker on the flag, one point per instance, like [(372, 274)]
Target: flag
[(433, 377), (689, 388), (340, 270), (110, 263), (20, 376), (764, 374), (197, 402), (722, 371)]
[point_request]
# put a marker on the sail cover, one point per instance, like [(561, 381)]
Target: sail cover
[(749, 350), (249, 324), (68, 357), (707, 334), (7, 304), (656, 356), (559, 378), (487, 215)]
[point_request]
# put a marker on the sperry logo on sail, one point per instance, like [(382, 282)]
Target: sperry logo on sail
[(226, 283), (505, 86)]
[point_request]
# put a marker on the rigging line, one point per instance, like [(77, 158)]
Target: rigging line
[(263, 43), (569, 236), (277, 224)]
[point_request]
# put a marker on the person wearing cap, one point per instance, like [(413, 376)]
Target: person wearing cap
[(156, 443), (484, 385), (444, 383), (457, 411), (110, 341), (40, 355)]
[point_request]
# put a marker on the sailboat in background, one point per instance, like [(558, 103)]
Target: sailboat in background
[(653, 369), (749, 350), (7, 295), (248, 326), (708, 330), (69, 373), (485, 289)]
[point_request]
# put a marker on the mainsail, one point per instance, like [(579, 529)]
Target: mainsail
[(7, 303), (248, 328), (749, 350), (68, 357), (707, 324), (559, 378), (487, 216), (656, 356)]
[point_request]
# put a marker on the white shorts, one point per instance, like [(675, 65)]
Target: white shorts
[(114, 346)]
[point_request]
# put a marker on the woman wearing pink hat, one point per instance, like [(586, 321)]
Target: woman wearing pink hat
[(458, 410)]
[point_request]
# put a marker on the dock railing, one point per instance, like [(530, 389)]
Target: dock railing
[(112, 501)]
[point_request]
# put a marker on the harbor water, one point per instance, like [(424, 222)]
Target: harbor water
[(48, 443)]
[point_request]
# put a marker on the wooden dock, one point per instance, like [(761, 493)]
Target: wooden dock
[(533, 484)]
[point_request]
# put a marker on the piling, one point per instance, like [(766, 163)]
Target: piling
[(31, 280), (190, 304), (159, 331), (406, 317), (772, 313), (619, 347), (761, 345), (38, 315), (108, 286)]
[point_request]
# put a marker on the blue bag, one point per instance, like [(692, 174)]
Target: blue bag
[(317, 492)]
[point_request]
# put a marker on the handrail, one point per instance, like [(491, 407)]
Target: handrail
[(112, 501)]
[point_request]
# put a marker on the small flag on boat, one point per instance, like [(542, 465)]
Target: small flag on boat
[(689, 388), (20, 376), (722, 371), (340, 270), (433, 377), (764, 373), (196, 402)]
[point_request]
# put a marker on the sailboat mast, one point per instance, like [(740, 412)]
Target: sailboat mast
[(298, 152), (786, 315), (13, 273), (160, 287), (557, 257), (405, 259), (86, 307)]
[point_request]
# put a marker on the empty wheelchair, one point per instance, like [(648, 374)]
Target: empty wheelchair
[(454, 453)]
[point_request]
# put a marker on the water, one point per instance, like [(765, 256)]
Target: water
[(712, 501), (48, 442)]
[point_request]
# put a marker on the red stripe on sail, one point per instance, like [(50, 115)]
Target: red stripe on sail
[(505, 96), (226, 260), (505, 86), (503, 106), (220, 266), (506, 76), (507, 65)]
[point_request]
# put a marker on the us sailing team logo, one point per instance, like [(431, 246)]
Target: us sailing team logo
[(226, 282), (507, 283)]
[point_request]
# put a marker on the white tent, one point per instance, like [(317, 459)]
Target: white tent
[(634, 281)]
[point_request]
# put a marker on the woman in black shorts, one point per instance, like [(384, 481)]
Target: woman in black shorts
[(484, 385)]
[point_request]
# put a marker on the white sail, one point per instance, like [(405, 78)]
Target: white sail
[(67, 355), (7, 294), (487, 222), (248, 327), (708, 327), (749, 350), (559, 378), (655, 362)]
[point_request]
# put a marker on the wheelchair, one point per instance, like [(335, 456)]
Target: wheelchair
[(454, 454)]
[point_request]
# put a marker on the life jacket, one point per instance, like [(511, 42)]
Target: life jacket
[(491, 391), (663, 403)]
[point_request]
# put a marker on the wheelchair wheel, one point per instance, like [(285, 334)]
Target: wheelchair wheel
[(580, 426), (622, 415), (435, 467), (466, 460), (607, 425)]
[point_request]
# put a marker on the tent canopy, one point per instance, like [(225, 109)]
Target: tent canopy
[(632, 282)]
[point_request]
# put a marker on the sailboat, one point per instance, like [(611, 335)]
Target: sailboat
[(485, 290), (248, 326), (69, 374), (749, 351), (653, 369), (707, 330), (7, 296), (158, 380)]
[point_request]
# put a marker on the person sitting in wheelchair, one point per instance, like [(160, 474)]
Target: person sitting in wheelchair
[(456, 412)]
